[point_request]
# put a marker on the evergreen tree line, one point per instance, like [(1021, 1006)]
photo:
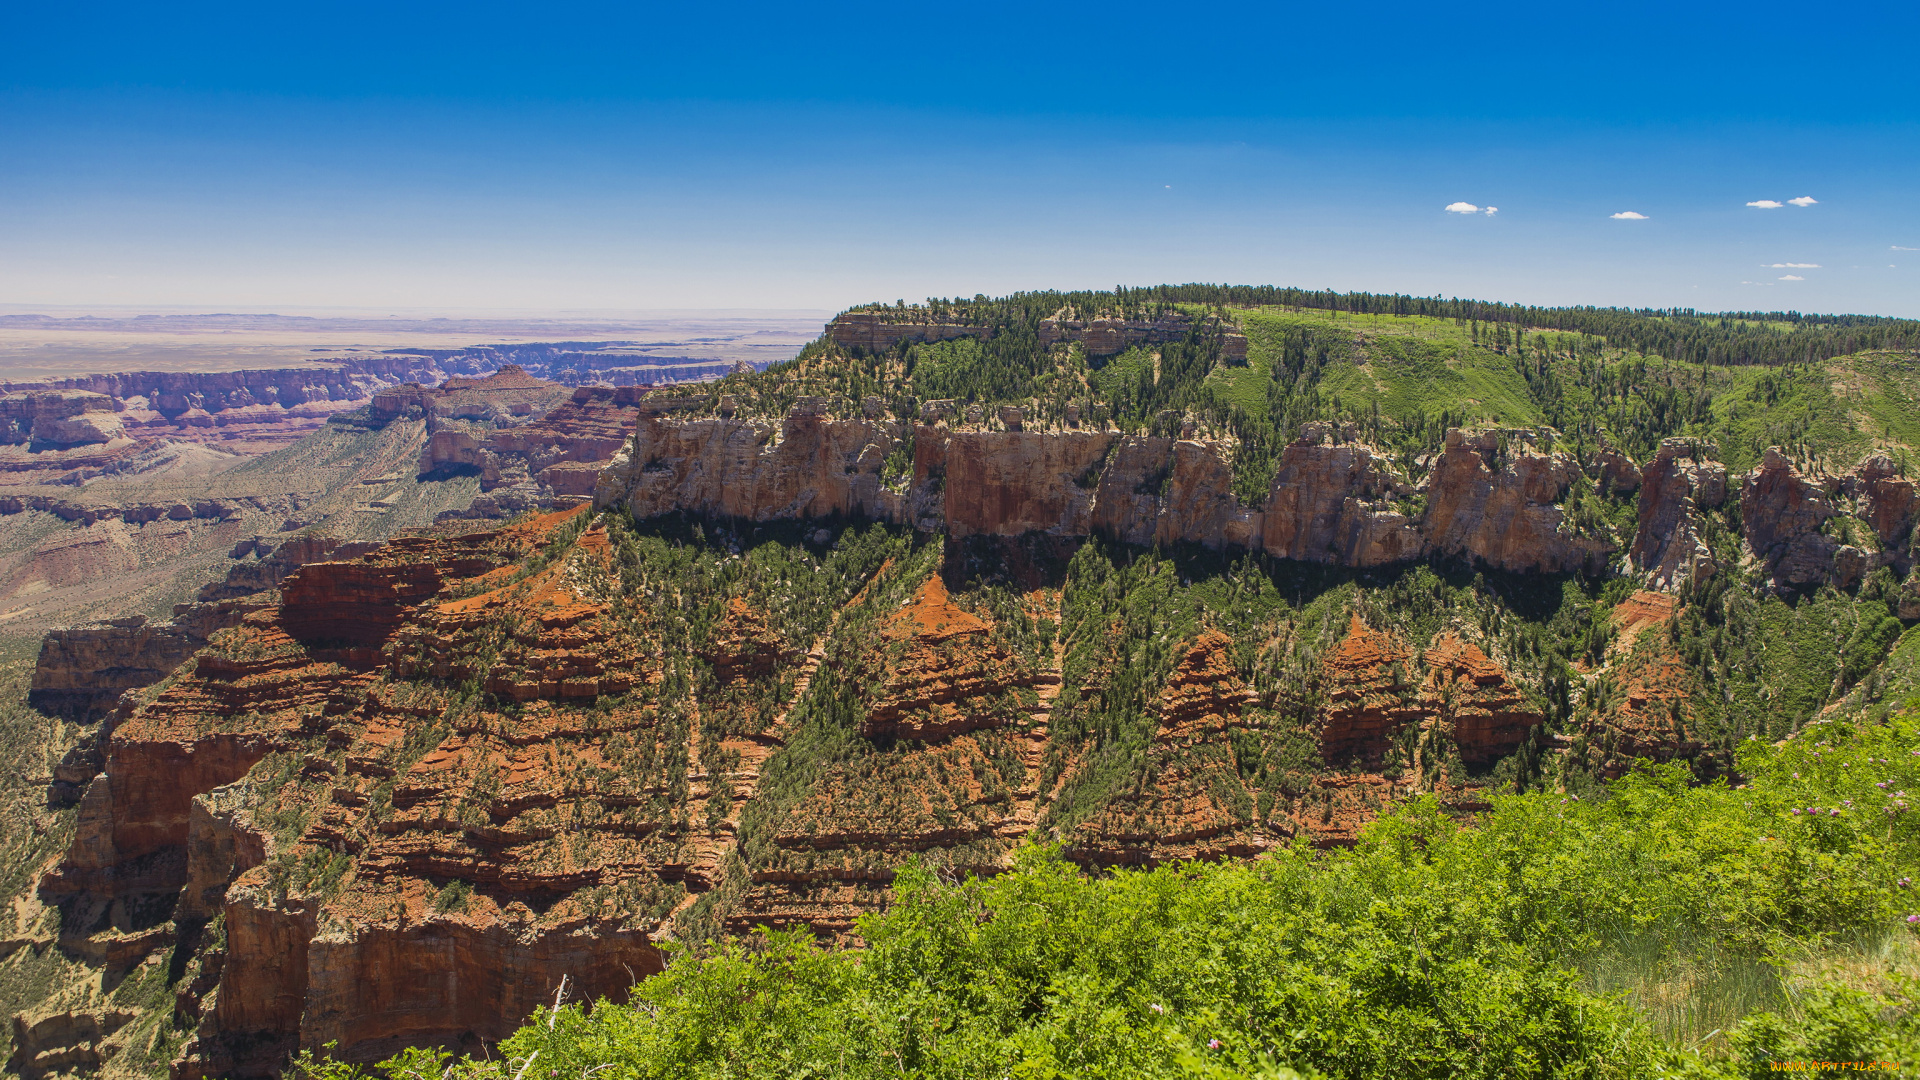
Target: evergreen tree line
[(1679, 334)]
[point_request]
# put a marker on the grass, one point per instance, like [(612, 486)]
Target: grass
[(1401, 365)]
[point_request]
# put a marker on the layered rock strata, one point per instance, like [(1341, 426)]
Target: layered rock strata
[(533, 443), (1370, 695), (955, 720), (72, 429), (82, 671), (1644, 716), (1682, 480), (1489, 715), (1330, 501), (1781, 514), (1504, 512), (323, 739), (1197, 805)]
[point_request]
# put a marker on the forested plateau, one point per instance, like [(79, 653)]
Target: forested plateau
[(1188, 681)]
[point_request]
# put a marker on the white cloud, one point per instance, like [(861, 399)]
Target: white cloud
[(1804, 200), (1767, 204), (1793, 266), (1897, 247), (1791, 277), (1492, 210), (1462, 208), (1629, 215)]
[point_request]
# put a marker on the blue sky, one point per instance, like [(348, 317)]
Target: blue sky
[(569, 156)]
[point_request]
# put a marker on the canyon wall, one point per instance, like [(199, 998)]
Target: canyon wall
[(258, 409), (427, 781), (82, 670), (1330, 500), (186, 815), (1495, 497)]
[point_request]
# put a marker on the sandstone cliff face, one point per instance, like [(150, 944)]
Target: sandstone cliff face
[(1325, 506), (811, 466), (1329, 502), (192, 817), (82, 670), (526, 455), (59, 417), (1891, 507), (864, 330), (1680, 481), (1617, 471), (1489, 714), (64, 1040), (180, 392), (1008, 483), (502, 395), (1506, 517), (1781, 513)]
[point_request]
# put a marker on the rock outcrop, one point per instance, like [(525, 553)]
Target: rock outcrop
[(82, 670), (1489, 715), (938, 675), (502, 395), (810, 466), (1645, 715), (1105, 337), (1682, 480), (1197, 806), (1330, 501), (1370, 695), (59, 417), (1891, 507), (1498, 505), (64, 1041), (866, 330), (1616, 472), (1329, 504), (1781, 514), (533, 443)]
